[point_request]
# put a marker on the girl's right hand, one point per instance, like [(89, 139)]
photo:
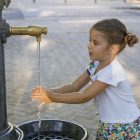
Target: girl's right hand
[(40, 94)]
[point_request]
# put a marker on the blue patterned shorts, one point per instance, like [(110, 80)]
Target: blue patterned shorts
[(119, 131)]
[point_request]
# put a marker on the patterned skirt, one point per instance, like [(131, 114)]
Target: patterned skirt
[(119, 131)]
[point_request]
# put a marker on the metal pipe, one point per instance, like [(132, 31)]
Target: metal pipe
[(7, 130), (3, 110), (30, 30)]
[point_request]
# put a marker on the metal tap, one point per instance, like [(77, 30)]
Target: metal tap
[(30, 30)]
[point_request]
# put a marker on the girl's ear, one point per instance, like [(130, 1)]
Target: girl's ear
[(114, 49)]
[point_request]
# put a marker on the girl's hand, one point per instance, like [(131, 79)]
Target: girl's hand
[(40, 94)]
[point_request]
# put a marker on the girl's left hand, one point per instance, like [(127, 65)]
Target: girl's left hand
[(40, 94)]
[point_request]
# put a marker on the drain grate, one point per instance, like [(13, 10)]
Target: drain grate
[(52, 136)]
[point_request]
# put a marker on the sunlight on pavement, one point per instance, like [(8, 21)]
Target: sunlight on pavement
[(46, 13)]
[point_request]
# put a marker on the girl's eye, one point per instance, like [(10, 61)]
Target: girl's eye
[(95, 43), (89, 40)]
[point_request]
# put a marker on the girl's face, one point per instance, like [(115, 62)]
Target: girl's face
[(98, 46)]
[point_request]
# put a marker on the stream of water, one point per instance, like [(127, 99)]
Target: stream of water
[(38, 66)]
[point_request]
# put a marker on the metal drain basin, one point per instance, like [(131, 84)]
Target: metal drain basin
[(53, 130)]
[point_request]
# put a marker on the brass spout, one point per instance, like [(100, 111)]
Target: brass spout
[(30, 30)]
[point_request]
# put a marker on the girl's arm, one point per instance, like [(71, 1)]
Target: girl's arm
[(73, 87), (39, 94)]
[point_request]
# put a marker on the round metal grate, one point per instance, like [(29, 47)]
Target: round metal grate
[(51, 136)]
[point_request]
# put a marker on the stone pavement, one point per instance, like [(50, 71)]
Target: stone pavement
[(64, 54)]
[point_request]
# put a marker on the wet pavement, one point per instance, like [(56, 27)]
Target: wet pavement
[(64, 54)]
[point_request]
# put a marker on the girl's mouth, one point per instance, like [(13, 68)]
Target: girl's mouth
[(90, 53)]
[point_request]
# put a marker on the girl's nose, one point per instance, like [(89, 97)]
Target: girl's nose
[(89, 46)]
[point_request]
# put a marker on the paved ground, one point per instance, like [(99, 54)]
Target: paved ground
[(64, 54)]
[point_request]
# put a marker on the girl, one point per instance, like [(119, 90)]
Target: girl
[(110, 88)]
